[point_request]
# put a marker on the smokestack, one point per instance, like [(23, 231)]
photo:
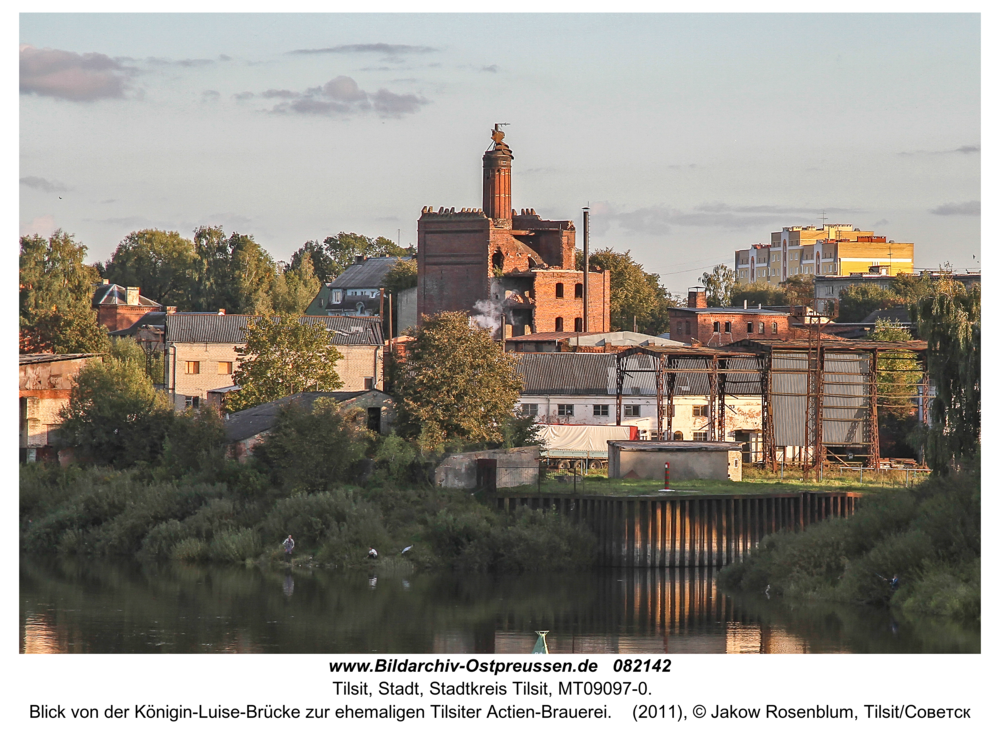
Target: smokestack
[(697, 298), (586, 269)]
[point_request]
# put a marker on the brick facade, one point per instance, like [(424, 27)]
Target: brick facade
[(709, 326)]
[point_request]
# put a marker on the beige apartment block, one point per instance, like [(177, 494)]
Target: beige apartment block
[(833, 250), (201, 353)]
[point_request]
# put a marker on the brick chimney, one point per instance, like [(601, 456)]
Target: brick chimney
[(496, 180), (697, 299), (132, 296)]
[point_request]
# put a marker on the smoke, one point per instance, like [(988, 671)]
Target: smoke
[(488, 316)]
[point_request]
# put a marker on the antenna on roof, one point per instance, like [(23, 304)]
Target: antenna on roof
[(823, 219)]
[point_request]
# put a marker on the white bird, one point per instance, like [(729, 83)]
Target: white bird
[(407, 549)]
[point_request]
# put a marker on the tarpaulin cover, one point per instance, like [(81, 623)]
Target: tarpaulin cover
[(583, 438)]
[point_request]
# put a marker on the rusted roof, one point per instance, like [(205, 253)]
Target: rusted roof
[(34, 358), (229, 328)]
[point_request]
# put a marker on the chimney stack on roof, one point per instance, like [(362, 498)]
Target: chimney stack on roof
[(697, 298)]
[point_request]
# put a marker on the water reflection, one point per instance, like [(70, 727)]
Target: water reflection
[(70, 605)]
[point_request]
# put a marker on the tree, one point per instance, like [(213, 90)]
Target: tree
[(759, 292), (114, 415), (719, 285), (283, 355), (295, 288), (322, 264), (951, 322), (860, 300), (234, 273), (402, 276), (160, 263), (637, 298), (344, 248), (800, 290), (456, 383), (898, 376), (56, 294)]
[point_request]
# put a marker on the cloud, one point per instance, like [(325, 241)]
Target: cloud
[(662, 218), (386, 49), (972, 208), (224, 57), (210, 95), (973, 148), (67, 75), (243, 96), (45, 185), (285, 94), (880, 223), (492, 69), (43, 225), (342, 96)]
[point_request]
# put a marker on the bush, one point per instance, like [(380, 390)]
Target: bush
[(190, 550), (237, 545)]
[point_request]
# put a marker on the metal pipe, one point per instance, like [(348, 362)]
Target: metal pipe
[(586, 269)]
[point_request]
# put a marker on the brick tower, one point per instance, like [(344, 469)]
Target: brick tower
[(496, 180)]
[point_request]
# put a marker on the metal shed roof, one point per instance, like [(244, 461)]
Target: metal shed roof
[(365, 275), (229, 328)]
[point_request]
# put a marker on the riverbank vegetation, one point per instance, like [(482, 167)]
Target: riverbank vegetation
[(928, 536), (319, 476)]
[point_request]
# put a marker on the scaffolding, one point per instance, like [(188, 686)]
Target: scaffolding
[(822, 393)]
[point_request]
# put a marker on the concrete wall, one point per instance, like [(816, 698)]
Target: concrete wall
[(721, 464), (515, 467), (406, 310), (44, 390)]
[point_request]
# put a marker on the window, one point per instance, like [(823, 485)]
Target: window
[(700, 410), (715, 327), (774, 328), (761, 326), (749, 328), (192, 367), (678, 436), (369, 383), (578, 291), (192, 402), (529, 410), (700, 436), (729, 327), (225, 368), (559, 324), (601, 410), (336, 296), (565, 410), (578, 324), (633, 410), (559, 291)]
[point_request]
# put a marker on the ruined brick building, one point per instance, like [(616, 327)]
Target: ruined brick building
[(494, 261)]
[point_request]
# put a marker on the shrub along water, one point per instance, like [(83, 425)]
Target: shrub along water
[(334, 487), (928, 536)]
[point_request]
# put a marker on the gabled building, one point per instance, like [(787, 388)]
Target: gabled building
[(512, 266), (357, 291), (201, 352), (119, 307), (44, 385)]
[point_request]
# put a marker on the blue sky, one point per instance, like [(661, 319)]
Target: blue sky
[(689, 135)]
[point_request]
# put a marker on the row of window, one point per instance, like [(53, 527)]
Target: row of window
[(760, 327), (577, 291), (577, 324), (193, 367), (604, 410)]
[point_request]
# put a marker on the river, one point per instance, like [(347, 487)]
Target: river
[(116, 606)]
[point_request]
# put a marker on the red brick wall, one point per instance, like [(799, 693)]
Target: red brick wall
[(548, 307), (702, 326), (120, 316), (453, 266)]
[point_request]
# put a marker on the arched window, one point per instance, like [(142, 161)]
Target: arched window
[(559, 291), (578, 291), (578, 324), (715, 327), (774, 328), (559, 322), (498, 261), (729, 327), (678, 436)]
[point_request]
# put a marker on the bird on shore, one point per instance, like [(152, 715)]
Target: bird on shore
[(406, 549)]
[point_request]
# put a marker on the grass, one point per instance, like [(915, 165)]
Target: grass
[(755, 481)]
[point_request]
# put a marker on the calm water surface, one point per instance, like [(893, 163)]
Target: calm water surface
[(72, 605)]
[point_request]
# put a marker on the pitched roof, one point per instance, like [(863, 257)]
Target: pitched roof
[(115, 294), (365, 275), (149, 319), (34, 358), (250, 422), (229, 328)]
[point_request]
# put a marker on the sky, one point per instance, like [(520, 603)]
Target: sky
[(689, 136)]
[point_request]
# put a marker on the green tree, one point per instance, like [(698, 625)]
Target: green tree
[(800, 290), (56, 294), (860, 300), (899, 372), (456, 384), (322, 264), (402, 276), (283, 355), (233, 273), (313, 451), (115, 416), (719, 285), (637, 298), (295, 288), (759, 292), (160, 263), (344, 248), (951, 322)]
